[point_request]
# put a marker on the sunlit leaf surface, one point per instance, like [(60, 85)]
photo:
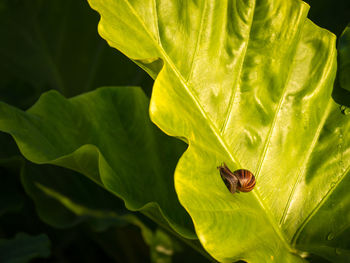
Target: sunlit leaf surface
[(344, 59), (247, 83)]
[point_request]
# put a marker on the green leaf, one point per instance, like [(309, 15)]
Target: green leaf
[(344, 59), (247, 83), (63, 198), (23, 248), (107, 136)]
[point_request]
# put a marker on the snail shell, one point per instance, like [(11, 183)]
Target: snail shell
[(239, 181)]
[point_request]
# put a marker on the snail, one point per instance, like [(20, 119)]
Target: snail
[(239, 181)]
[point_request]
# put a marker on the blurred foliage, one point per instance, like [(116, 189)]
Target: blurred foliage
[(55, 45), (46, 47), (23, 247)]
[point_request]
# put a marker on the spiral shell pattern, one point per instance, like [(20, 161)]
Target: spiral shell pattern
[(239, 181), (246, 180)]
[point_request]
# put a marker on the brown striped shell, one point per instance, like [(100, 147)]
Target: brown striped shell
[(239, 181)]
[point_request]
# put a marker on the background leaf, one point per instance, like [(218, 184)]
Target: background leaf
[(119, 149), (247, 83), (41, 50), (63, 198), (23, 248)]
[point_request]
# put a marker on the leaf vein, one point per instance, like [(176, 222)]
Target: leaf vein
[(197, 41), (307, 157), (230, 105)]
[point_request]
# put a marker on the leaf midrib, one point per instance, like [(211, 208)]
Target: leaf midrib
[(159, 47)]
